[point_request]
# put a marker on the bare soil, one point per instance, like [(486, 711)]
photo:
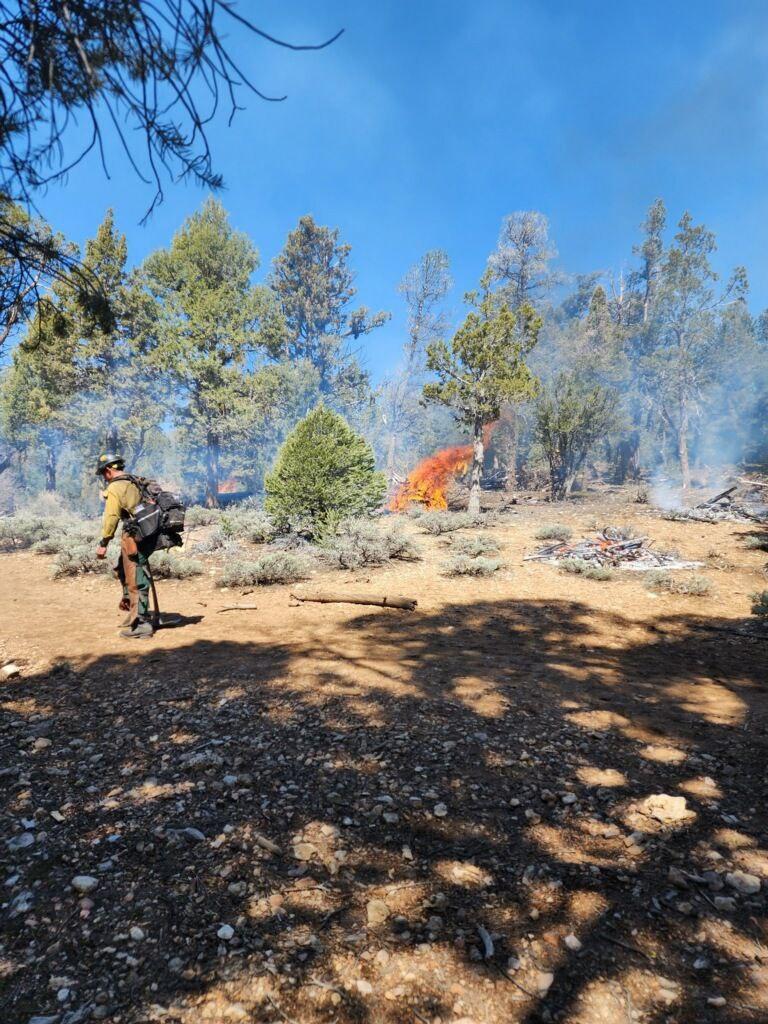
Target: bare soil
[(456, 794)]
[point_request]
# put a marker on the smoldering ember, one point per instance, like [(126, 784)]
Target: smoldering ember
[(383, 592)]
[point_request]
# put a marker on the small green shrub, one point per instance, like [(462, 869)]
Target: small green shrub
[(198, 515), (554, 531), (692, 586), (438, 523), (360, 542), (589, 570), (78, 560), (759, 543), (169, 565), (323, 472), (462, 565), (760, 604), (271, 567), (473, 546)]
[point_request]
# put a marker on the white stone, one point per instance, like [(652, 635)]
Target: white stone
[(665, 808), (440, 810), (226, 932), (572, 943), (136, 934), (746, 884), (84, 883), (11, 670)]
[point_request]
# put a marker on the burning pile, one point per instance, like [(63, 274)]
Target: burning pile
[(613, 548), (721, 508), (428, 483)]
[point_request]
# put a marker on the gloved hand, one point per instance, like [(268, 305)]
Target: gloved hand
[(124, 605)]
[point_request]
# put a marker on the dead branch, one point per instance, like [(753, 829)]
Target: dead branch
[(339, 597)]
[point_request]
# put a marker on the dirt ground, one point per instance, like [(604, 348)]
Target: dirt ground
[(337, 813)]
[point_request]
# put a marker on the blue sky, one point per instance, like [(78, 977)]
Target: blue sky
[(431, 119)]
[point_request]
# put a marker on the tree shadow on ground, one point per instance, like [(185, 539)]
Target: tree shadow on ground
[(453, 794)]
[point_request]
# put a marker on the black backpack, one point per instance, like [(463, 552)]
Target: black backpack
[(159, 514)]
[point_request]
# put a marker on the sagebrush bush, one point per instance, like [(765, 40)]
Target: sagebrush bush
[(438, 523), (78, 560), (554, 531), (73, 534), (198, 515), (693, 586), (360, 542), (760, 604), (271, 567), (169, 565), (247, 523), (323, 472), (216, 541), (23, 531), (462, 565), (759, 543), (583, 567), (473, 546)]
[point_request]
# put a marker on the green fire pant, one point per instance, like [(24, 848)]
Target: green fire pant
[(133, 573)]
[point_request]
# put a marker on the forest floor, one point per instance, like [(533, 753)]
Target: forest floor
[(459, 796)]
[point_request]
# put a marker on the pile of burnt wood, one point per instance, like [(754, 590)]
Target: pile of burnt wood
[(612, 547), (724, 506)]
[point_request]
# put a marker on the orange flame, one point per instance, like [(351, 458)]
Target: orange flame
[(230, 486), (428, 482)]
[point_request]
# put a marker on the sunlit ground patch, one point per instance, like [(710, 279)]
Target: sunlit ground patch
[(730, 839), (463, 873), (701, 786), (608, 777), (712, 702), (661, 754)]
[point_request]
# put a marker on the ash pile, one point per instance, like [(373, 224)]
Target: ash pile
[(613, 547), (728, 506)]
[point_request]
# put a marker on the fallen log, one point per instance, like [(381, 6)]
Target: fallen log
[(342, 597), (717, 497), (238, 608)]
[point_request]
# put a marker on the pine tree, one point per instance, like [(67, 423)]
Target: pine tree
[(42, 382), (314, 286), (200, 327), (483, 367), (572, 415), (686, 351), (324, 471)]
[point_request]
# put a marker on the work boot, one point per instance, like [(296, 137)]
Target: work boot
[(137, 631)]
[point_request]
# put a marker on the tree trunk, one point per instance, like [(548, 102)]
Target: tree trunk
[(390, 470), (682, 445), (212, 472), (51, 461), (510, 453), (113, 439), (477, 468)]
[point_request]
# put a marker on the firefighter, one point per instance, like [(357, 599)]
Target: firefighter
[(132, 569)]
